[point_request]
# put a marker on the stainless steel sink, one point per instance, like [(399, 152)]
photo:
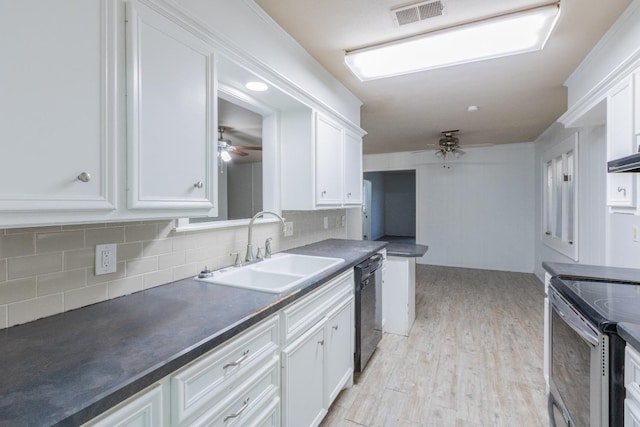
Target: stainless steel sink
[(275, 275)]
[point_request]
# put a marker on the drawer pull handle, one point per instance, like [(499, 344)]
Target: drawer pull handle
[(245, 405), (321, 342), (237, 362), (335, 328)]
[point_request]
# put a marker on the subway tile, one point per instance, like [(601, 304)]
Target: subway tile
[(120, 273), (199, 255), (59, 282), (142, 266), (34, 265), (187, 270), (171, 260), (55, 242), (157, 278), (48, 229), (127, 251), (3, 317), (83, 226), (3, 270), (26, 311), (17, 290), (83, 258), (85, 296), (103, 236), (136, 233), (125, 286), (157, 247), (17, 245), (184, 243)]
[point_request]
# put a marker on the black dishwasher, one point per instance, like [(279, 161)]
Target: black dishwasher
[(368, 282)]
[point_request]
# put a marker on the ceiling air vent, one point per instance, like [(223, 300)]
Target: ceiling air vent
[(417, 12)]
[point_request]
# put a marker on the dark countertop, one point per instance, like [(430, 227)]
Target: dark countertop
[(630, 332), (68, 368), (406, 250), (578, 271)]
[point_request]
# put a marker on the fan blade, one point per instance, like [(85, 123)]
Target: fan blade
[(235, 150), (248, 147), (457, 150)]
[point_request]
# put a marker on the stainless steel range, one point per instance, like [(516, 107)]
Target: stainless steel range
[(586, 354)]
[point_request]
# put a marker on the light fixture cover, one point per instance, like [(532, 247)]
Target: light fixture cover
[(256, 86), (510, 34), (225, 156)]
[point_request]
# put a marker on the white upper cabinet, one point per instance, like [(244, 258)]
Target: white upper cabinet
[(171, 114), (321, 162), (636, 86), (620, 142), (329, 161), (352, 168), (58, 106)]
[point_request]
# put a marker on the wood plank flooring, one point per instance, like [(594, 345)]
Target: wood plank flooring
[(474, 357)]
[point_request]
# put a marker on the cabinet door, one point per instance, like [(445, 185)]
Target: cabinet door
[(329, 162), (339, 349), (142, 410), (620, 186), (352, 169), (303, 379), (636, 104), (171, 138), (58, 86)]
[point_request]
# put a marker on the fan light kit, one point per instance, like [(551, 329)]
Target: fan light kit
[(510, 34), (257, 86), (449, 144)]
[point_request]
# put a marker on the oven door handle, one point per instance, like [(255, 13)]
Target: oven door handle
[(574, 321)]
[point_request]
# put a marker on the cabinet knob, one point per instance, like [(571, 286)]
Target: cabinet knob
[(335, 328), (199, 184), (321, 342), (348, 195), (84, 177), (623, 191), (324, 193)]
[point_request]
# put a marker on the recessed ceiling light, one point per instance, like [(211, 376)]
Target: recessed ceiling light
[(257, 86), (510, 34), (472, 108)]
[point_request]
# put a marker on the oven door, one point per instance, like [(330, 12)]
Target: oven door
[(578, 371)]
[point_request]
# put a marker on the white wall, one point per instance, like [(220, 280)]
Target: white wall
[(591, 184), (479, 212)]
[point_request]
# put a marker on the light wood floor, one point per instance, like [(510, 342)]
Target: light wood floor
[(473, 358)]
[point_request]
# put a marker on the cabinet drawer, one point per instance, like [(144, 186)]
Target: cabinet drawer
[(268, 416), (142, 410), (246, 400), (302, 315), (205, 379), (631, 413), (631, 365)]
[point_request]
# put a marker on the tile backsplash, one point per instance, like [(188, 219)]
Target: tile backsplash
[(49, 270)]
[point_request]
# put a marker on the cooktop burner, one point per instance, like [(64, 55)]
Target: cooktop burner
[(616, 302)]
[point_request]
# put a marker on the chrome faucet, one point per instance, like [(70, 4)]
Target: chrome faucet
[(249, 255)]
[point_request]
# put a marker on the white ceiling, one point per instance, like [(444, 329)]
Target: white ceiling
[(518, 97)]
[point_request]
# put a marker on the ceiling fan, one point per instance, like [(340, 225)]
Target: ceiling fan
[(449, 144), (226, 146)]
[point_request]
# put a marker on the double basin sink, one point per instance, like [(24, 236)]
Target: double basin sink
[(275, 275)]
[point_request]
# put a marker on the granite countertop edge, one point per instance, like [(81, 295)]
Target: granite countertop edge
[(406, 250), (353, 251)]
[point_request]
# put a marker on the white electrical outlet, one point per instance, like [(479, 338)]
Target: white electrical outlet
[(106, 259), (288, 229), (343, 218), (325, 222)]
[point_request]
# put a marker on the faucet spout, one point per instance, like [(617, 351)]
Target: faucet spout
[(249, 254)]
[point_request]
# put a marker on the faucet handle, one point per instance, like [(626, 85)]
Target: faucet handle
[(259, 255), (267, 247), (238, 260)]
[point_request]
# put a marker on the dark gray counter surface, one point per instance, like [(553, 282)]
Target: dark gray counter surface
[(579, 271), (68, 368), (628, 331), (406, 250)]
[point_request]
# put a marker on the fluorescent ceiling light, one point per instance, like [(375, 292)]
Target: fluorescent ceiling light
[(510, 34)]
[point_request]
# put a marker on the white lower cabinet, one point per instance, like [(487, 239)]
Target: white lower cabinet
[(303, 378), (145, 409), (632, 386), (286, 370)]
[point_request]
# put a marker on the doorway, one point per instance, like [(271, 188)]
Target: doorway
[(389, 209)]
